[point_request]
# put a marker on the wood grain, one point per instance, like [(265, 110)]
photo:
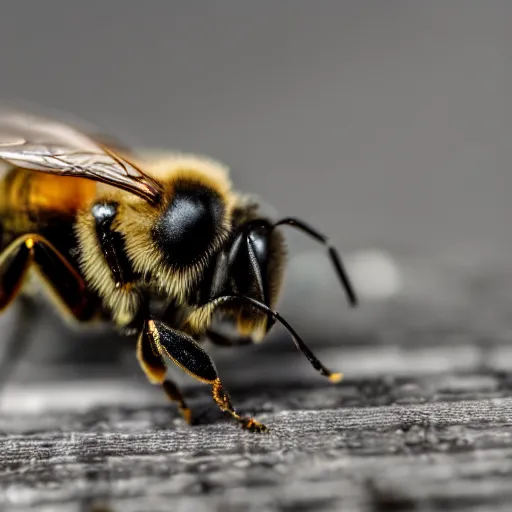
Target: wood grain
[(423, 421)]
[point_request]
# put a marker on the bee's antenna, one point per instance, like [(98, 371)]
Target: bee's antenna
[(333, 254), (299, 342)]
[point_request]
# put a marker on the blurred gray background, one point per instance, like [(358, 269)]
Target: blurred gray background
[(385, 123), (382, 122)]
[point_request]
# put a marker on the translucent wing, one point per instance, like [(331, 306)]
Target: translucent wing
[(47, 145)]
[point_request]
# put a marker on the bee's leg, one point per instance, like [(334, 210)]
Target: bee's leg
[(190, 357), (66, 283), (68, 286), (15, 260), (14, 263), (155, 369), (204, 314)]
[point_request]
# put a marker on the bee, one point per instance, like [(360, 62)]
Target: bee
[(157, 247)]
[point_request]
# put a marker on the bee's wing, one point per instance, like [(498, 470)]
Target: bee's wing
[(46, 145)]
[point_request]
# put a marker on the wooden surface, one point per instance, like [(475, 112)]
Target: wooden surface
[(423, 420)]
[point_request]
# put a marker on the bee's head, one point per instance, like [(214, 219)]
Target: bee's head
[(252, 266), (249, 269)]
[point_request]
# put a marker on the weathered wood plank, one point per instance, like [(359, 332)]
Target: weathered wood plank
[(440, 453), (423, 420)]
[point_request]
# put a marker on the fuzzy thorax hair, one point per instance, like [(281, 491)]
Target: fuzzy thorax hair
[(168, 245)]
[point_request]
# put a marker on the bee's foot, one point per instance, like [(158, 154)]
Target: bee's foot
[(187, 415), (253, 426)]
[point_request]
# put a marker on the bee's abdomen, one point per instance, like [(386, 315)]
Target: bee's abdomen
[(35, 202)]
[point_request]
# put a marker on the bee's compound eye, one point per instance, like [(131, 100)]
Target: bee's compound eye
[(189, 225)]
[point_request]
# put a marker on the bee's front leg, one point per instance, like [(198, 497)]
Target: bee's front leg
[(158, 340), (155, 369), (63, 282)]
